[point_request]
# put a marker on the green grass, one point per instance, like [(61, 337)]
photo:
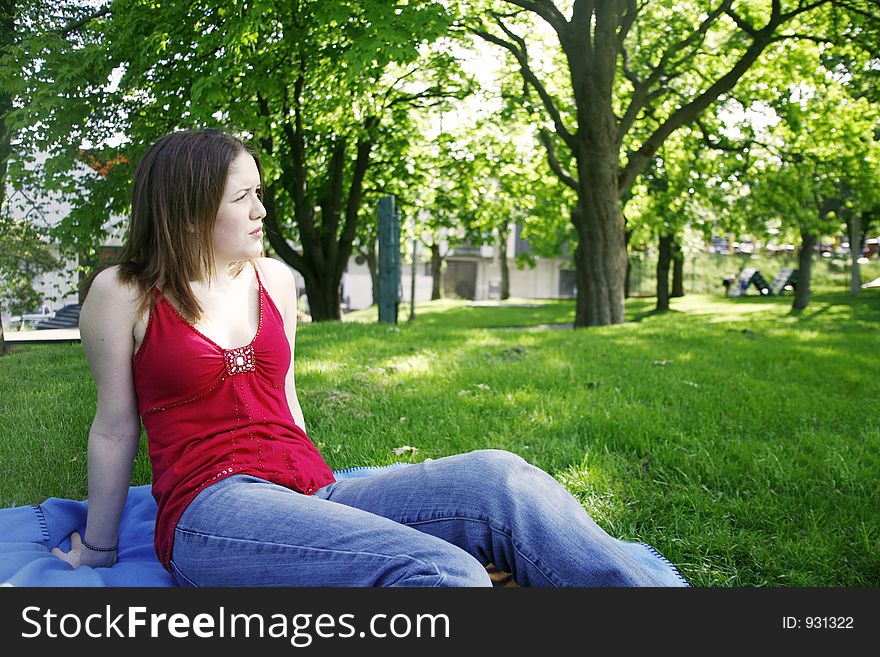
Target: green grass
[(742, 440)]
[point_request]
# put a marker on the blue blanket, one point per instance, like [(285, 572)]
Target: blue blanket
[(28, 533)]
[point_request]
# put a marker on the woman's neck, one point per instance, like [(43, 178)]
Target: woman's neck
[(226, 275)]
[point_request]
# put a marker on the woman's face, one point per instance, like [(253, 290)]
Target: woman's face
[(238, 231)]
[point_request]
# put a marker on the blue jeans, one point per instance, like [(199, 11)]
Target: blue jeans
[(436, 523)]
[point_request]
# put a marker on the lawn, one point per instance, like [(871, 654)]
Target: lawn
[(742, 440)]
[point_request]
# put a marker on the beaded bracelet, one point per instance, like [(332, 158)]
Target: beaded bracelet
[(99, 549)]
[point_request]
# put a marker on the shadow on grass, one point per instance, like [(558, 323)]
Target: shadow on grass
[(827, 307), (654, 312)]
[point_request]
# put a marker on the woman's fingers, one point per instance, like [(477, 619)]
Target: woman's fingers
[(71, 556)]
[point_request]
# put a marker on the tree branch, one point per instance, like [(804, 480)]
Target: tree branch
[(276, 239), (801, 8), (82, 22), (519, 52), (430, 92), (355, 192), (563, 175), (627, 69), (638, 158), (393, 85), (266, 143), (295, 176), (641, 90), (545, 9), (741, 23), (627, 21), (806, 37), (860, 11), (581, 16), (331, 200)]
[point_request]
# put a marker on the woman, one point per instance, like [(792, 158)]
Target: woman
[(193, 334)]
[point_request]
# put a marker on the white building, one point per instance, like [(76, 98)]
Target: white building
[(470, 273)]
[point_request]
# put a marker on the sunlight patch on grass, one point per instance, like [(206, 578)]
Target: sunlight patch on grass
[(308, 366), (730, 310), (417, 364), (595, 488)]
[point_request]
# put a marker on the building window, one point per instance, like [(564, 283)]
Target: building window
[(567, 283)]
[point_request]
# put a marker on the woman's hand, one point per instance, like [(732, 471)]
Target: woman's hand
[(80, 555)]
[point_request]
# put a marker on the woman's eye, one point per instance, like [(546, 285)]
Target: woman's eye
[(257, 192)]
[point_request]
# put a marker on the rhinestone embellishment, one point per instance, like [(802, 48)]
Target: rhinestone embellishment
[(240, 360)]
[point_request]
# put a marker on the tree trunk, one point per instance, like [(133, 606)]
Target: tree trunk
[(436, 272), (805, 263), (855, 250), (502, 261), (324, 298), (372, 264), (327, 240), (677, 271), (664, 257), (3, 348), (600, 257)]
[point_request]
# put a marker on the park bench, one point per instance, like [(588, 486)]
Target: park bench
[(749, 276), (786, 279)]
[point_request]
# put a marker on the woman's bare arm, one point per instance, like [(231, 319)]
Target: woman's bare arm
[(284, 294), (106, 326)]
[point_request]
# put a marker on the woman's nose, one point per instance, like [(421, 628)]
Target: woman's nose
[(258, 211)]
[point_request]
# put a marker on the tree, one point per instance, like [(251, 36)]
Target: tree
[(317, 87), (449, 200), (25, 26), (814, 165), (636, 74), (7, 34), (24, 255), (519, 189), (393, 173), (687, 185)]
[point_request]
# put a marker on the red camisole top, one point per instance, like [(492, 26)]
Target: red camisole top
[(212, 412)]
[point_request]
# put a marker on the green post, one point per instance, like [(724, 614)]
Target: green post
[(389, 260)]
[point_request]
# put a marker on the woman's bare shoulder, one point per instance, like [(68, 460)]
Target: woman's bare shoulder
[(274, 265), (279, 274), (280, 283), (108, 293)]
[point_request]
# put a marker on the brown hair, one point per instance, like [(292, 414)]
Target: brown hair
[(176, 192)]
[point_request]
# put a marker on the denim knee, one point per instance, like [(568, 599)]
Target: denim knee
[(498, 472), (495, 462)]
